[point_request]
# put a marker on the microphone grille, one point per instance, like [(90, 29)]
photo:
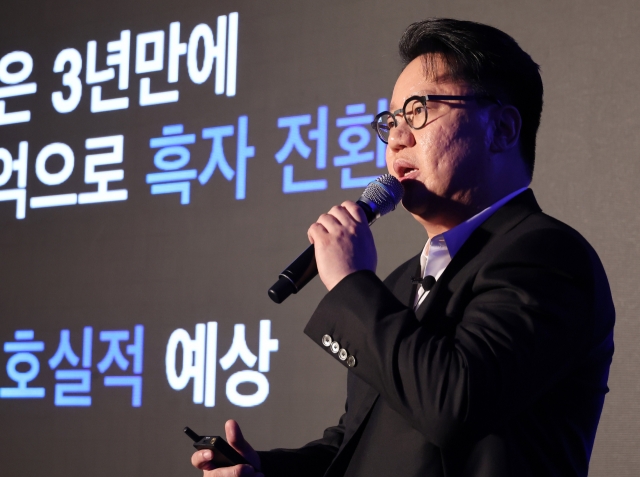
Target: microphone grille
[(386, 192)]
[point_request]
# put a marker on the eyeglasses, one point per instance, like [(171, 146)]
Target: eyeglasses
[(414, 112)]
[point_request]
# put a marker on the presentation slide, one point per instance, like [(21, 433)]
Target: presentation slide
[(160, 164)]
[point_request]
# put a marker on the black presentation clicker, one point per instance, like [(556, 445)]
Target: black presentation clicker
[(223, 454)]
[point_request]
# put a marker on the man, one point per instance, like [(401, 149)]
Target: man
[(500, 367)]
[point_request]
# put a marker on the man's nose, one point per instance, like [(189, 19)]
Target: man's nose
[(401, 136)]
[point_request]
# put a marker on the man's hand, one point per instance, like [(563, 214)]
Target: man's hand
[(343, 243), (202, 459)]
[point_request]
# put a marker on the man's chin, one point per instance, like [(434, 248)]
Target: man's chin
[(416, 197), (419, 209)]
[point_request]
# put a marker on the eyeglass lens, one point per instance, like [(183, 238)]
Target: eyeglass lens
[(384, 124), (414, 112)]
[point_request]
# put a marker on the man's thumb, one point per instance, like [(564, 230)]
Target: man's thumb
[(235, 437)]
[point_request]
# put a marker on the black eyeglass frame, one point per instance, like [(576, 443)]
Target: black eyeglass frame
[(423, 100)]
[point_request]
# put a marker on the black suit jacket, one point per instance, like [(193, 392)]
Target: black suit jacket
[(501, 371)]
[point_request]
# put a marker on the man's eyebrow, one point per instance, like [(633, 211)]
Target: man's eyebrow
[(422, 92)]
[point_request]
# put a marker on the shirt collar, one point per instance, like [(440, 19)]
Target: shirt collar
[(458, 235)]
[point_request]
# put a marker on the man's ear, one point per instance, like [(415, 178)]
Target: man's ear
[(507, 125)]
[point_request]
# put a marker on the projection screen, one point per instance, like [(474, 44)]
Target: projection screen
[(160, 164)]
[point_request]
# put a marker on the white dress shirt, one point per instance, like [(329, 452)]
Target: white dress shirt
[(441, 248)]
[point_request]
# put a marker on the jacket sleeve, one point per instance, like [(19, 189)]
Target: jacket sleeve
[(528, 314), (312, 460)]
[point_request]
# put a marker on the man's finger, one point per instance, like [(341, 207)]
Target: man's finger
[(315, 229), (326, 224), (242, 471), (202, 459), (235, 437), (238, 442), (331, 219), (342, 215), (356, 211)]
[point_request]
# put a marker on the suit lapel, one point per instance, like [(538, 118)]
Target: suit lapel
[(503, 220)]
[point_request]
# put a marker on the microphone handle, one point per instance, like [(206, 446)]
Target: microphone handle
[(304, 268)]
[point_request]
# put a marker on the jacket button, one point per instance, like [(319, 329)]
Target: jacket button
[(335, 347), (326, 340), (351, 361), (342, 354)]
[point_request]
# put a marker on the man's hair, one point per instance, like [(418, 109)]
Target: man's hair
[(489, 60)]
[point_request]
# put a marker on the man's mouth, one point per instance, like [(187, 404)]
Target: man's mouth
[(405, 171)]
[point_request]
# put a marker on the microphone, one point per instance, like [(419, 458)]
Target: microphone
[(426, 282), (379, 198)]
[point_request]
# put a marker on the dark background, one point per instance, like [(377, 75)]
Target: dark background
[(150, 260)]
